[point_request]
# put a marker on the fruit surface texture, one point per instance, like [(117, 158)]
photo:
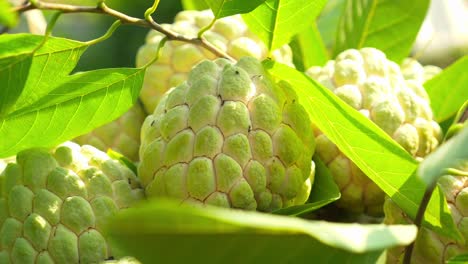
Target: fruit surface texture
[(54, 204), (375, 86), (228, 34), (229, 136)]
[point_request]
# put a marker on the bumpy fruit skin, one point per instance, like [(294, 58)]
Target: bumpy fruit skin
[(429, 246), (121, 135), (229, 136), (54, 204), (229, 34), (412, 70), (374, 86)]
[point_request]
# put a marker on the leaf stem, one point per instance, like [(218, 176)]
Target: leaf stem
[(148, 22), (109, 33), (418, 220)]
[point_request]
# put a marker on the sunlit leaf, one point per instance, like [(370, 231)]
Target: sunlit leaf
[(308, 49), (224, 8), (449, 89), (277, 21), (391, 26)]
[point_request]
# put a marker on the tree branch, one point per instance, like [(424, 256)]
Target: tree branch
[(102, 8)]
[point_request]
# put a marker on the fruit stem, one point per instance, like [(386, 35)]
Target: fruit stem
[(418, 220)]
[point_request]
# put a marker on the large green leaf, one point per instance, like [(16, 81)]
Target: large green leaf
[(79, 104), (373, 151), (171, 233), (324, 191), (7, 16), (391, 26), (52, 62), (327, 22), (16, 55), (449, 90), (277, 21), (445, 157), (194, 5), (308, 49), (224, 8)]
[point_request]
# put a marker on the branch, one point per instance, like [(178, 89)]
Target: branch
[(102, 8)]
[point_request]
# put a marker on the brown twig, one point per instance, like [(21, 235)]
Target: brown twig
[(102, 8)]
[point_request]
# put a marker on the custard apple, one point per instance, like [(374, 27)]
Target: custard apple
[(229, 136), (53, 204), (366, 80), (429, 246), (412, 70), (121, 135), (229, 34)]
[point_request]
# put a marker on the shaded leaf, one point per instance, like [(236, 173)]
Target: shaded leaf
[(79, 104), (176, 234), (224, 8), (391, 26), (275, 22), (460, 259), (448, 90), (371, 149), (328, 19), (308, 49)]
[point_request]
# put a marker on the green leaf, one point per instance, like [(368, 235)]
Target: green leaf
[(275, 22), (7, 16), (194, 5), (224, 8), (324, 191), (447, 156), (79, 104), (15, 60), (176, 234), (327, 22), (448, 90), (371, 149), (460, 259), (391, 26), (51, 64), (308, 49)]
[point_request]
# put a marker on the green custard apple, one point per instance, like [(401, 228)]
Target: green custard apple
[(229, 136), (429, 246), (53, 204), (121, 135), (229, 34), (366, 80)]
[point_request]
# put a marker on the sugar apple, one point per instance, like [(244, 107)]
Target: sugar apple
[(413, 71), (366, 80), (121, 135), (229, 136), (429, 246), (53, 204), (229, 34)]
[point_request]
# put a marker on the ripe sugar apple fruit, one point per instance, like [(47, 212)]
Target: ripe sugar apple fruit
[(366, 80), (229, 34), (229, 136), (429, 246), (412, 70), (53, 204), (121, 135)]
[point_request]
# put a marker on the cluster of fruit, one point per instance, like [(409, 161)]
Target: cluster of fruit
[(220, 133)]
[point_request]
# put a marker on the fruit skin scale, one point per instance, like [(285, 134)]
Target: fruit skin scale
[(366, 80), (54, 203), (229, 136)]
